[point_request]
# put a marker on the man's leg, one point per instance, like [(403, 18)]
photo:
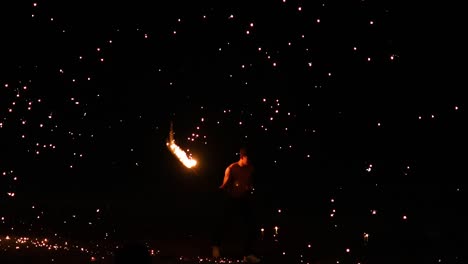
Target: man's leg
[(221, 224), (250, 226), (250, 232)]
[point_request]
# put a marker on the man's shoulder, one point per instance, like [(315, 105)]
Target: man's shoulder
[(232, 165)]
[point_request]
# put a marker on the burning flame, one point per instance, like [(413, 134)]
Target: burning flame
[(178, 152)]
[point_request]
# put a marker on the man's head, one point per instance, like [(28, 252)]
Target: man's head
[(243, 151), (243, 156)]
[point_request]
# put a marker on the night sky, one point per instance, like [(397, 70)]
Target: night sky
[(354, 113)]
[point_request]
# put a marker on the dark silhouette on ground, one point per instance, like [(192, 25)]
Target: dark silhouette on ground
[(134, 252)]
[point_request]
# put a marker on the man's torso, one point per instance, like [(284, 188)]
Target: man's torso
[(240, 180)]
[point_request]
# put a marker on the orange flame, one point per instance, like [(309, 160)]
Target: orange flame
[(178, 152)]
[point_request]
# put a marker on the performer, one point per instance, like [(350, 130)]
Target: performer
[(237, 190)]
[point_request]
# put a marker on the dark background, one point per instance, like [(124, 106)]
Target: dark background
[(126, 109)]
